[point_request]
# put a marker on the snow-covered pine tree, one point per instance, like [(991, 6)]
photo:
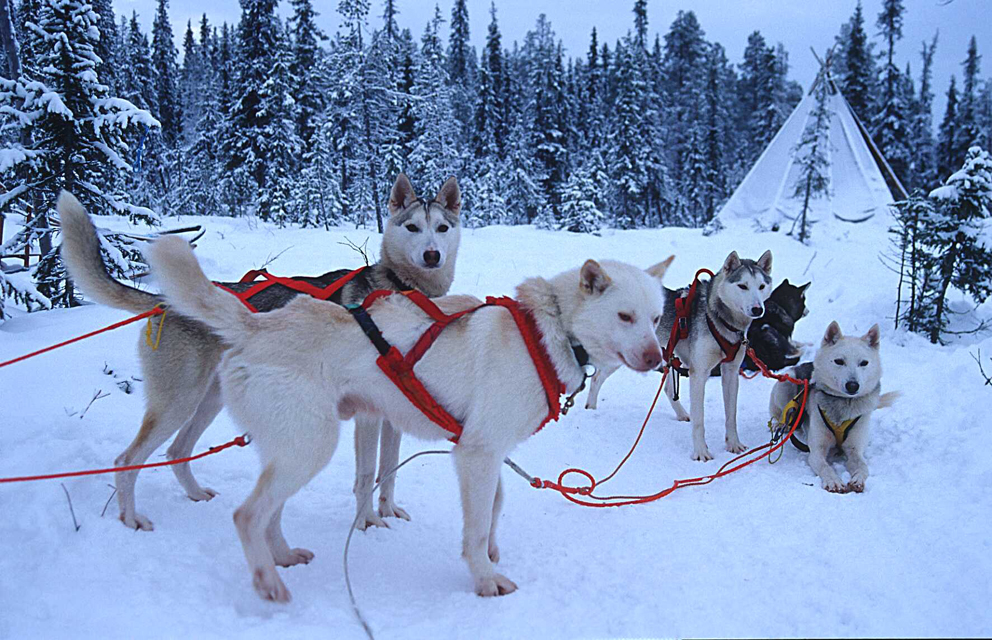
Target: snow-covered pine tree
[(967, 132), (911, 262), (683, 80), (857, 70), (108, 67), (924, 169), (946, 151), (70, 131), (278, 146), (757, 87), (434, 156), (580, 213), (462, 70), (890, 122), (813, 180), (719, 132), (956, 237)]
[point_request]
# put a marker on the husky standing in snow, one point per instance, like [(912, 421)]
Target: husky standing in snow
[(845, 389), (182, 393), (316, 367), (722, 312)]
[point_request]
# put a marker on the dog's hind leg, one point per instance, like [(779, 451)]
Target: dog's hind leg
[(281, 553), (731, 381), (478, 479), (258, 520), (367, 430), (680, 412), (186, 439), (389, 457), (156, 427)]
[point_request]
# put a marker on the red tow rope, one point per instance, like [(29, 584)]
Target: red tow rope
[(240, 441)]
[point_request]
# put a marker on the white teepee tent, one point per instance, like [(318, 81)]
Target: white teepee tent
[(861, 183)]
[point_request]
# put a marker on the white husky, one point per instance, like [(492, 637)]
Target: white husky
[(291, 375), (845, 389)]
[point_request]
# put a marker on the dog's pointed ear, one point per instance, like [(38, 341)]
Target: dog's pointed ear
[(803, 287), (786, 282), (872, 337), (765, 261), (402, 195), (658, 270), (593, 279), (732, 262), (450, 196), (832, 335)]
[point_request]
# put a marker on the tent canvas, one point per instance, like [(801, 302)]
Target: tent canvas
[(858, 190)]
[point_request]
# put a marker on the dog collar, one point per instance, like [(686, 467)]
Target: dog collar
[(397, 282)]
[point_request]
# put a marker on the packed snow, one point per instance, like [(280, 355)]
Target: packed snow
[(764, 552)]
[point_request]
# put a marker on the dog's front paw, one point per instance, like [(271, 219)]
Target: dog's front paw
[(295, 557), (497, 585), (391, 510), (684, 418), (857, 483), (202, 494), (735, 446), (834, 485), (137, 522), (591, 404), (702, 455), (269, 585)]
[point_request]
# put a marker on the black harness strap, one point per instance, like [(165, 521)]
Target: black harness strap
[(370, 328)]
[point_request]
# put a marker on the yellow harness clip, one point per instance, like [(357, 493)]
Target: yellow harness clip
[(158, 334)]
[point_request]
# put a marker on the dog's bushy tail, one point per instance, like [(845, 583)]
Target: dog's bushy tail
[(81, 253), (187, 290), (888, 399)]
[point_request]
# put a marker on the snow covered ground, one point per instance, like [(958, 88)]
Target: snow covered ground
[(764, 552)]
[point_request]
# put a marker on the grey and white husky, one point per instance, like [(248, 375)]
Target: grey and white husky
[(182, 393), (732, 299), (845, 389)]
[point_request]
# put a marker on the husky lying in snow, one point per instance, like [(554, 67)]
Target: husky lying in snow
[(419, 248), (731, 300), (845, 389), (291, 375)]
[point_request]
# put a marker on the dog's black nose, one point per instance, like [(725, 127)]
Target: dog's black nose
[(756, 312), (852, 387), (432, 258)]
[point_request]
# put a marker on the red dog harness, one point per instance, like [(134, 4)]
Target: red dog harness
[(399, 368), (680, 329), (289, 283)]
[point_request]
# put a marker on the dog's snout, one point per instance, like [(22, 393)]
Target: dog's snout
[(852, 387), (756, 312), (432, 258), (651, 358)]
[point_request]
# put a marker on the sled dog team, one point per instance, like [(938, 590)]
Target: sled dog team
[(290, 375)]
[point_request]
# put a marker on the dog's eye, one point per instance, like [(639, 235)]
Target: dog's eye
[(412, 228), (863, 363), (625, 317), (657, 320), (743, 287), (443, 228), (761, 287), (839, 361)]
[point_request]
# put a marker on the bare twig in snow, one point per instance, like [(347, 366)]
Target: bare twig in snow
[(97, 395), (273, 258), (810, 263), (71, 510), (978, 359), (113, 493)]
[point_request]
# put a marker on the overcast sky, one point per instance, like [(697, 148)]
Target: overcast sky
[(798, 24)]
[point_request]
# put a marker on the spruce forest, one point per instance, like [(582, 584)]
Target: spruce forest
[(274, 118)]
